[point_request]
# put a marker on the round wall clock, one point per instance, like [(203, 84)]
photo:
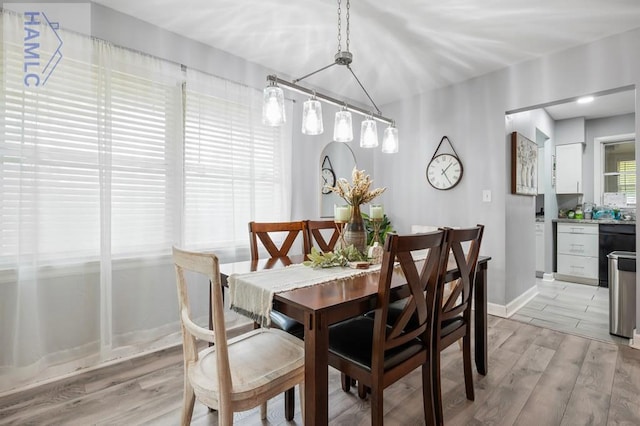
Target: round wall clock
[(444, 171), (328, 175)]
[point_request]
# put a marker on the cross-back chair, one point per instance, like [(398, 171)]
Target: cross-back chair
[(219, 376), (453, 310), (377, 354), (317, 238), (267, 233)]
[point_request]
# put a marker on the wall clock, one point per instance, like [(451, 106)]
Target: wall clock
[(328, 175), (444, 171)]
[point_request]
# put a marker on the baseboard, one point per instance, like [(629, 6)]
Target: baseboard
[(635, 342), (548, 277), (505, 311)]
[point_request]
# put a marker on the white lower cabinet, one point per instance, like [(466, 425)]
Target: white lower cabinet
[(577, 256)]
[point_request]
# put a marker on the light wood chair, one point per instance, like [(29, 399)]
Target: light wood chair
[(236, 374), (317, 238), (453, 312), (375, 354)]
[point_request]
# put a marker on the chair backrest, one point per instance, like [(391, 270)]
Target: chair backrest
[(421, 283), (316, 236), (458, 301), (266, 231), (204, 264)]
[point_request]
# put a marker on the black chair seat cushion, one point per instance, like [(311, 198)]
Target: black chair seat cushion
[(395, 309), (353, 340), (288, 324)]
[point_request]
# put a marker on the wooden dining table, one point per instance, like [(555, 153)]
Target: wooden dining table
[(319, 306)]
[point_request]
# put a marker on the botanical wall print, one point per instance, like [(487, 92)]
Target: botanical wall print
[(524, 165)]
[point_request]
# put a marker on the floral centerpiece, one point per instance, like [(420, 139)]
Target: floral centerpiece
[(355, 194)]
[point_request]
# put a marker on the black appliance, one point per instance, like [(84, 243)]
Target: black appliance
[(613, 237)]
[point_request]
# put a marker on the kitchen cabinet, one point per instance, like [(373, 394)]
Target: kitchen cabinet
[(569, 169), (541, 179), (577, 252), (540, 247)]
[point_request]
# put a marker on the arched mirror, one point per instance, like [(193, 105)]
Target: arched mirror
[(336, 161)]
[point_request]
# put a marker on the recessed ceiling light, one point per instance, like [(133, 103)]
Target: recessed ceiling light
[(585, 99)]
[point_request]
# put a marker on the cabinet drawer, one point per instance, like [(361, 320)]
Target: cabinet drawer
[(578, 244), (578, 266), (577, 228)]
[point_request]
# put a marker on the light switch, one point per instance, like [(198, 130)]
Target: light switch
[(486, 195)]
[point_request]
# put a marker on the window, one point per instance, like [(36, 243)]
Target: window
[(235, 169), (620, 173)]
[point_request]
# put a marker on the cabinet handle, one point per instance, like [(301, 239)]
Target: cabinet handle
[(578, 186)]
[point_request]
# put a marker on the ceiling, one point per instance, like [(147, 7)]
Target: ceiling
[(400, 48), (607, 105)]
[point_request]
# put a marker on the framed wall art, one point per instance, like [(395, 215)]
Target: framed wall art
[(524, 165)]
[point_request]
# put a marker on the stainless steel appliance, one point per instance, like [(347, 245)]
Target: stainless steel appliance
[(622, 293), (613, 237)]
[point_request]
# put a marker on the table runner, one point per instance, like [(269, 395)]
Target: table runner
[(251, 294)]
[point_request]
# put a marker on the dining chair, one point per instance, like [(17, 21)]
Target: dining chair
[(318, 238), (376, 354), (452, 320), (269, 234), (234, 374)]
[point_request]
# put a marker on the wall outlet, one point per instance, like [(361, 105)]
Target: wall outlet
[(486, 195)]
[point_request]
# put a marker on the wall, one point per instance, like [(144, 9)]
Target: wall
[(472, 115), (570, 130)]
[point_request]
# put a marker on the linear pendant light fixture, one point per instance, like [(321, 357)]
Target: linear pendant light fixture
[(273, 105)]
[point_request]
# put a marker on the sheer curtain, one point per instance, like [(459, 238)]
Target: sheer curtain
[(97, 184)]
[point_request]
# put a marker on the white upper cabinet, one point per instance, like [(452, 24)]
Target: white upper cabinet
[(569, 169)]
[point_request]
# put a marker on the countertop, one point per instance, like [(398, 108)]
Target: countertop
[(596, 221)]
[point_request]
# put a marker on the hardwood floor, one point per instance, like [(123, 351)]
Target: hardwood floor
[(578, 309), (537, 376)]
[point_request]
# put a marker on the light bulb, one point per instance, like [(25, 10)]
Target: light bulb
[(368, 134), (342, 129), (312, 117), (390, 140), (273, 106)]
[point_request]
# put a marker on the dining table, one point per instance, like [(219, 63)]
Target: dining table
[(319, 306)]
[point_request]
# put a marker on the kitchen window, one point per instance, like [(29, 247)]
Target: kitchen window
[(619, 175)]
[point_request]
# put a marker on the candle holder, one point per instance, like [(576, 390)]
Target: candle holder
[(376, 250), (340, 225), (376, 230)]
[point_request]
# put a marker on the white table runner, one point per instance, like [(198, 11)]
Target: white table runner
[(251, 294)]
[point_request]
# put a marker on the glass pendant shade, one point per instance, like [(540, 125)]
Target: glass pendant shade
[(312, 117), (390, 140), (273, 106), (342, 129), (368, 134)]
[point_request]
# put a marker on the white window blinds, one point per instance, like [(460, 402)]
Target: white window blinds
[(235, 169)]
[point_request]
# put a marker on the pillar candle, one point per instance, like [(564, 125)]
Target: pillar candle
[(376, 211)]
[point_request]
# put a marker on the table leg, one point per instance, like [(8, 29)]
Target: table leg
[(316, 370), (481, 319)]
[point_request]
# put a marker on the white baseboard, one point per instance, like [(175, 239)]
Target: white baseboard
[(513, 306), (635, 342), (548, 277)]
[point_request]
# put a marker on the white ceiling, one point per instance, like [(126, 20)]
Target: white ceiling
[(618, 103), (400, 47)]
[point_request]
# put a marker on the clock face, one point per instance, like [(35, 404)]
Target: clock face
[(328, 179), (444, 171)]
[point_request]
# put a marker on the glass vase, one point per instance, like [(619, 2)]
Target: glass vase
[(355, 232)]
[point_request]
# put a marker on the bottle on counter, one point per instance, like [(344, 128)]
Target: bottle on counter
[(578, 214)]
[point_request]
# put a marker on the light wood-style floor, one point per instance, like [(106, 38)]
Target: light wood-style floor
[(537, 376), (573, 308)]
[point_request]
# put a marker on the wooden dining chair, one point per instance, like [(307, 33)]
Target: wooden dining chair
[(317, 238), (236, 374), (375, 354), (269, 234), (452, 319)]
